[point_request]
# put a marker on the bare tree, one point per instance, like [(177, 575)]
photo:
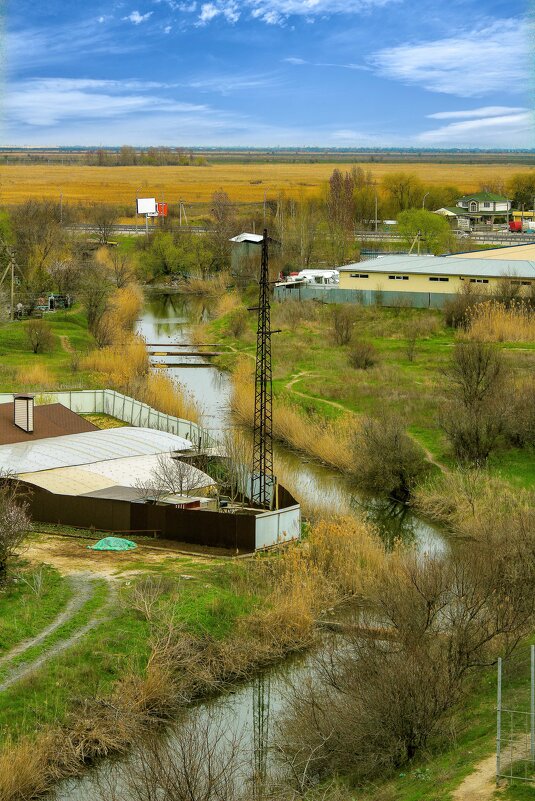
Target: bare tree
[(66, 275), (14, 521), (103, 216), (96, 290), (474, 416), (199, 760), (224, 225), (171, 476), (342, 321), (122, 270)]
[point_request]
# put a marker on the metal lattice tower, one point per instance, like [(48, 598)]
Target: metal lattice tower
[(262, 480)]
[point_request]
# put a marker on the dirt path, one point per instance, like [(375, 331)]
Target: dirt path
[(82, 587), (479, 785), (83, 584), (66, 344)]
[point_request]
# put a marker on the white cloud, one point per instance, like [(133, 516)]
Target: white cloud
[(515, 130), (49, 102), (476, 113), (136, 18), (274, 12), (480, 61)]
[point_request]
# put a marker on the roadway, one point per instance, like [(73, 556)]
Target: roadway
[(494, 238)]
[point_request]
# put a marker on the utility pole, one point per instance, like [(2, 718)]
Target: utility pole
[(12, 305), (423, 201), (263, 483), (61, 208)]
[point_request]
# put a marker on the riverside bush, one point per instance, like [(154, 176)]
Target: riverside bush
[(362, 355)]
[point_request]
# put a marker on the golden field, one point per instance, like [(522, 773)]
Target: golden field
[(243, 182)]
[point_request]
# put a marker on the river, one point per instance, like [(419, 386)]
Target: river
[(168, 319)]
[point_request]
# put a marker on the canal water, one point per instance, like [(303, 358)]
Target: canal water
[(254, 709)]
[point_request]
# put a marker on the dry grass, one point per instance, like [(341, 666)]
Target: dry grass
[(162, 393), (328, 442), (227, 303), (123, 365), (243, 182), (36, 376), (126, 306), (494, 321), (213, 286)]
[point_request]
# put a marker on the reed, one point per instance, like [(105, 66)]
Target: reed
[(328, 442), (35, 376), (162, 393), (495, 321)]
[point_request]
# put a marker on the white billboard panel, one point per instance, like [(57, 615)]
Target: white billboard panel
[(147, 205)]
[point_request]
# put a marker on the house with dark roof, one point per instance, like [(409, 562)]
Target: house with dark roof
[(23, 421), (477, 208)]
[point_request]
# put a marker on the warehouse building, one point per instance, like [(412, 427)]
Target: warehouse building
[(428, 281)]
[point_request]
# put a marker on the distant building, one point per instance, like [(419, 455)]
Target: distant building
[(245, 253), (428, 281), (477, 208)]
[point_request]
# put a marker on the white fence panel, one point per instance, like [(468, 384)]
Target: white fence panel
[(129, 410), (274, 528)]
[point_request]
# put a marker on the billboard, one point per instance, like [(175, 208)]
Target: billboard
[(147, 205)]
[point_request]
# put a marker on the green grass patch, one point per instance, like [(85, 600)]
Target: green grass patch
[(32, 598)]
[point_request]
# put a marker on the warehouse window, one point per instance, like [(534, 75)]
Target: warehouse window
[(398, 277), (359, 275), (479, 280), (521, 283), (438, 278)]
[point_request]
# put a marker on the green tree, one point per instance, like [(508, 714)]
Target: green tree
[(435, 232), (521, 189), (404, 190)]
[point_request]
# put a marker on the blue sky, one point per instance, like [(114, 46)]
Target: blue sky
[(359, 73)]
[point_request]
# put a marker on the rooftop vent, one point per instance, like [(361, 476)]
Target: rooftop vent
[(23, 412)]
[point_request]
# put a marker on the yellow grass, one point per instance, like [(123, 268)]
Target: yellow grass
[(493, 321), (328, 442), (36, 376), (243, 182), (126, 306)]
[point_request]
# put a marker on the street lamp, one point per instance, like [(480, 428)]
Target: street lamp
[(423, 201)]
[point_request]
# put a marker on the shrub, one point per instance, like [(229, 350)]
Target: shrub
[(342, 322), (474, 416), (39, 335), (456, 309), (520, 415), (386, 461), (237, 322), (362, 355)]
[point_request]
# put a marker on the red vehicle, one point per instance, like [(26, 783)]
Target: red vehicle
[(515, 226)]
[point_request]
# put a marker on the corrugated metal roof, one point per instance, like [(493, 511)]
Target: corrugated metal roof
[(254, 238), (128, 472), (83, 449), (505, 253), (447, 265)]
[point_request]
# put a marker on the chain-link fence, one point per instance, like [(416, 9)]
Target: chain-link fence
[(515, 740)]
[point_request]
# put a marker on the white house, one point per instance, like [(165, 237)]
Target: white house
[(485, 204)]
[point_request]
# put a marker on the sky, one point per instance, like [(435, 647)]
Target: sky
[(268, 73)]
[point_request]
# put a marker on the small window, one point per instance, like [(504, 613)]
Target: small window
[(359, 275), (479, 280), (486, 205), (438, 278), (398, 277)]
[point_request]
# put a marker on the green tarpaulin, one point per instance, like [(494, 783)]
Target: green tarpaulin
[(113, 544)]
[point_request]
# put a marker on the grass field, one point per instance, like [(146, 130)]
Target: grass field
[(243, 182)]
